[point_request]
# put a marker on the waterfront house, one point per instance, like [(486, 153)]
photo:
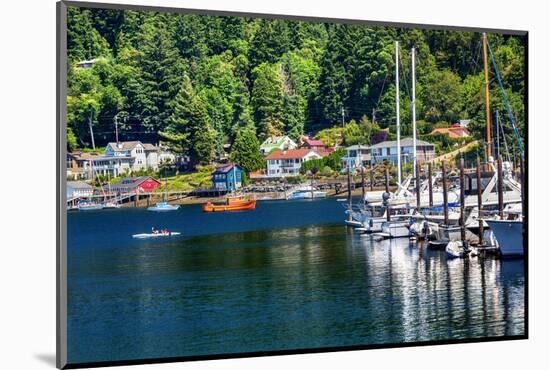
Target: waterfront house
[(126, 156), (357, 156), (227, 177), (78, 189), (455, 131), (78, 165), (288, 162), (277, 142), (387, 151), (141, 184)]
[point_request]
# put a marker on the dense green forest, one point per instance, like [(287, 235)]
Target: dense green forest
[(198, 82)]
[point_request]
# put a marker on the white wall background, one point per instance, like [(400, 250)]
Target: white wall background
[(27, 134)]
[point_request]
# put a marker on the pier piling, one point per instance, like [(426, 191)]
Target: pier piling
[(371, 178), (362, 184), (500, 189), (387, 178), (445, 201), (417, 187), (462, 223), (522, 182), (479, 200), (430, 190), (349, 194)]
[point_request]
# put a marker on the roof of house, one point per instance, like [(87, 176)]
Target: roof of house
[(313, 142), (357, 147), (83, 156), (131, 183), (453, 131), (150, 147), (275, 141), (408, 141), (81, 185), (123, 145), (226, 168), (293, 154)]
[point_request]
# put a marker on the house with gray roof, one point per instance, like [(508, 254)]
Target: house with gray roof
[(79, 189), (357, 156), (126, 156), (387, 151)]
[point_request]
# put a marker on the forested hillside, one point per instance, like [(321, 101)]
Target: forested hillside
[(197, 81)]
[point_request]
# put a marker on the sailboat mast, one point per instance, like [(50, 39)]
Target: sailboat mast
[(398, 127), (414, 117), (487, 103)]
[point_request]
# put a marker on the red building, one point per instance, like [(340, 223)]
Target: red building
[(313, 144), (142, 184)]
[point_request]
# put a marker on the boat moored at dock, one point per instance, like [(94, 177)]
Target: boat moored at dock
[(163, 207)]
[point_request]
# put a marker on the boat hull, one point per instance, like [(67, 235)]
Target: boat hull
[(163, 209), (230, 206), (94, 207), (150, 236), (396, 229), (509, 236)]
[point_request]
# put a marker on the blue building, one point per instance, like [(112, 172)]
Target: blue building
[(227, 177)]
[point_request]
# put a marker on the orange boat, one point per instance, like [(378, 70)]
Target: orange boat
[(230, 205)]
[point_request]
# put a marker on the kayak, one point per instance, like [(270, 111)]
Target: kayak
[(147, 236)]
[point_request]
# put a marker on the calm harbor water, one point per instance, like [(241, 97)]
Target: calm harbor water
[(285, 276)]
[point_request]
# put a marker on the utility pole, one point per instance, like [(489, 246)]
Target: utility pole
[(373, 115), (116, 128), (91, 130), (343, 116)]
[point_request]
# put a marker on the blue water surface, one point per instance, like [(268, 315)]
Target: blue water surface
[(288, 275)]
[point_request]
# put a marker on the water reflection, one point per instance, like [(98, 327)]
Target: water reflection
[(291, 288), (439, 298)]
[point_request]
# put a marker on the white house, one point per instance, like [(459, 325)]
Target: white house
[(356, 156), (277, 142), (76, 189), (126, 156), (288, 162), (387, 151)]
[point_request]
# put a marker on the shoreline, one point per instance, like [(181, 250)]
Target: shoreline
[(271, 196)]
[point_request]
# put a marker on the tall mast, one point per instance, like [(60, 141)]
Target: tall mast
[(487, 104), (414, 117), (398, 128)]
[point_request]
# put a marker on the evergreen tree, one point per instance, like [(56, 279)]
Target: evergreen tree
[(270, 42), (268, 99), (84, 42), (161, 70), (189, 131), (245, 151)]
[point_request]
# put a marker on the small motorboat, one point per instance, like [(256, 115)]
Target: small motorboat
[(89, 206), (110, 204), (456, 249), (307, 194), (230, 205), (159, 234), (162, 207)]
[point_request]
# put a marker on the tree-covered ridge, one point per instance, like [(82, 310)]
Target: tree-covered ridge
[(200, 81)]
